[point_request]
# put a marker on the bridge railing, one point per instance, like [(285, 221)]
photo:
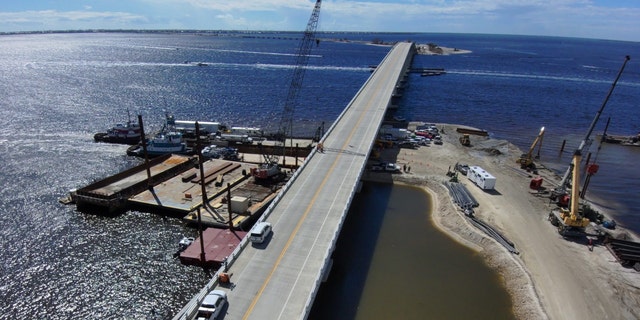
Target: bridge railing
[(334, 239), (190, 310)]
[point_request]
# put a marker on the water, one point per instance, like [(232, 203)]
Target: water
[(59, 89), (390, 259)]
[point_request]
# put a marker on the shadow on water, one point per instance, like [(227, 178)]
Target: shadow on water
[(338, 298), (392, 263)]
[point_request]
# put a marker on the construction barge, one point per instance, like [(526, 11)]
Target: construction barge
[(213, 248), (110, 196), (223, 193)]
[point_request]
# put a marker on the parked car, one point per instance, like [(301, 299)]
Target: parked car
[(212, 305), (462, 168), (392, 167), (386, 167), (408, 144), (388, 137)]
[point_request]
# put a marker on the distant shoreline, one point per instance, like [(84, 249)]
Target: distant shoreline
[(422, 49)]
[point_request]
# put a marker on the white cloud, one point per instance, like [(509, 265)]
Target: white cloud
[(543, 17), (582, 18), (240, 5), (69, 20), (53, 15)]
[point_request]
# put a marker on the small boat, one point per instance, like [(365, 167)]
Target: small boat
[(432, 73), (124, 133), (633, 141), (168, 140)]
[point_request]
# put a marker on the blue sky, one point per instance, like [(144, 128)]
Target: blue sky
[(603, 19)]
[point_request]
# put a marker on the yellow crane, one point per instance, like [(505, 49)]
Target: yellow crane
[(570, 221), (526, 159)]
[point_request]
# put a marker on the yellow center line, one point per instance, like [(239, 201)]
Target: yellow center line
[(303, 218)]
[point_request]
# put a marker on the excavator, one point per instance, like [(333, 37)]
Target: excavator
[(570, 220), (526, 159)]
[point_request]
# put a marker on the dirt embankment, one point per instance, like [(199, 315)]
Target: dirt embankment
[(551, 278)]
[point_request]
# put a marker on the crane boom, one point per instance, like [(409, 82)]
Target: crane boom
[(564, 183), (526, 160), (302, 59), (285, 126)]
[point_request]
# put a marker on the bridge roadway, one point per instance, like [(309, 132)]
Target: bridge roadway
[(279, 279)]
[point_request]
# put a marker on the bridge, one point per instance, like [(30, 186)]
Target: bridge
[(280, 278)]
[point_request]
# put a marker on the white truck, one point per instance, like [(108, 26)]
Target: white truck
[(251, 132), (481, 178), (395, 133), (205, 127), (236, 138)]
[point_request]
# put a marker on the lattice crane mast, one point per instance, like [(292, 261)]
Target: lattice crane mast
[(271, 167)]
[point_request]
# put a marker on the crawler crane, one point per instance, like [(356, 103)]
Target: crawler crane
[(270, 167)]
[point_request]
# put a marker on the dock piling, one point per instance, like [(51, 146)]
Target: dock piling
[(144, 150)]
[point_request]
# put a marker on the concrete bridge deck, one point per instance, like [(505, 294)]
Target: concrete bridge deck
[(280, 278)]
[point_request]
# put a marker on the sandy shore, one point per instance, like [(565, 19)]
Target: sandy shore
[(551, 278)]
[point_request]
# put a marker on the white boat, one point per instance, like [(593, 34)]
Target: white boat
[(168, 140)]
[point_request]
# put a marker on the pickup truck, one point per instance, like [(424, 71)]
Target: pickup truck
[(386, 167)]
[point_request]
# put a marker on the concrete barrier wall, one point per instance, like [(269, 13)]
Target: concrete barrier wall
[(190, 310)]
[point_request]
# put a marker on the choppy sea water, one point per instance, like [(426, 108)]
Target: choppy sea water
[(59, 89)]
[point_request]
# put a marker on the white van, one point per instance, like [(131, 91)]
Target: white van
[(259, 232)]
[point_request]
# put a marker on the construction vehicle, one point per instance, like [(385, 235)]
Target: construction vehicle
[(465, 140), (570, 221), (270, 167), (526, 159), (560, 193)]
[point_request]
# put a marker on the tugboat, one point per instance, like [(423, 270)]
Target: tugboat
[(127, 133), (168, 140)]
